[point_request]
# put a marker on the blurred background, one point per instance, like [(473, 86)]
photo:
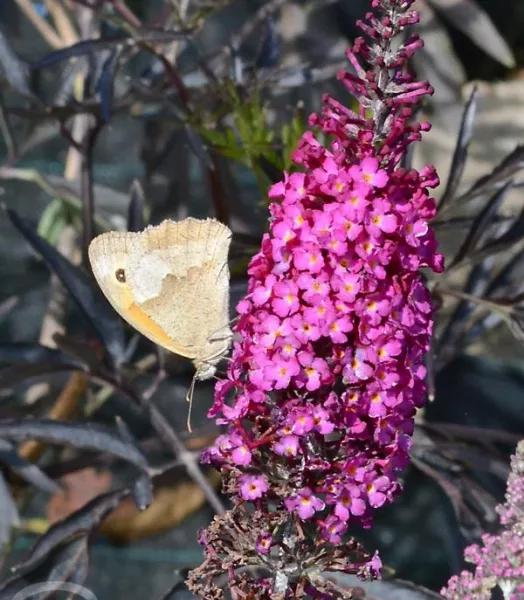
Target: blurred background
[(207, 136)]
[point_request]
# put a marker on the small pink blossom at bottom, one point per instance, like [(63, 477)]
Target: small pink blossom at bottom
[(264, 542), (253, 487), (305, 504)]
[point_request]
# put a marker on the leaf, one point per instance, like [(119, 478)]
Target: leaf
[(6, 306), (31, 360), (13, 69), (105, 84), (27, 353), (53, 221), (460, 155), (78, 489), (269, 54), (137, 202), (505, 170), (80, 435), (98, 312), (473, 21), (170, 507), (8, 513), (481, 223), (153, 36), (18, 373), (26, 470), (506, 241), (198, 147), (71, 566), (82, 521)]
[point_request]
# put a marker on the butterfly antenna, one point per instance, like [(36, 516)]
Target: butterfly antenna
[(189, 398)]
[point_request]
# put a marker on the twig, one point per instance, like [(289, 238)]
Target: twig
[(80, 122), (7, 134), (45, 30), (64, 408), (86, 187), (53, 320), (126, 13), (171, 439), (62, 22), (249, 26)]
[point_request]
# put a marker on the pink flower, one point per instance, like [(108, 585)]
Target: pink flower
[(308, 258), (301, 422), (264, 543), (241, 455), (368, 172), (285, 301), (334, 529), (305, 504), (281, 372), (253, 487), (287, 445)]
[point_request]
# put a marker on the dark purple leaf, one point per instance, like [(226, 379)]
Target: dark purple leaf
[(506, 241), (14, 374), (137, 202), (71, 566), (13, 69), (25, 353), (480, 224), (269, 54), (81, 522), (460, 154), (8, 513), (80, 435), (105, 84), (505, 170), (25, 469), (198, 147), (96, 309), (86, 47)]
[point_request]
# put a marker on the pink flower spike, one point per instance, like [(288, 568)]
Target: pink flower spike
[(253, 487)]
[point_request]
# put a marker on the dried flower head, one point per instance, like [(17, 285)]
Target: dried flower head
[(499, 561)]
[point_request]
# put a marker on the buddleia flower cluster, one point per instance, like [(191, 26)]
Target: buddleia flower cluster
[(499, 561), (328, 373)]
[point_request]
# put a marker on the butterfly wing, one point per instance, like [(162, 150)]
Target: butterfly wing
[(109, 255), (171, 283), (179, 276)]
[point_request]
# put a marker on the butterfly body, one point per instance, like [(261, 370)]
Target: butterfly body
[(171, 283)]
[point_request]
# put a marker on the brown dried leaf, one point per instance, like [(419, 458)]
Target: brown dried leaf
[(79, 488), (171, 505)]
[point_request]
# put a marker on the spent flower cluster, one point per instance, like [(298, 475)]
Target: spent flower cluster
[(326, 378), (499, 561)]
